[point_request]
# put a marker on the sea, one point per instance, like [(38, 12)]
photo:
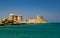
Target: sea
[(50, 30)]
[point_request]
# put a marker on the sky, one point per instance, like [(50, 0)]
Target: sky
[(49, 9)]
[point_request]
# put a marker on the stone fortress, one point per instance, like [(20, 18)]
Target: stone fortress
[(14, 19)]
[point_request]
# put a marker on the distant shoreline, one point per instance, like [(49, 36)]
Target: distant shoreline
[(26, 24)]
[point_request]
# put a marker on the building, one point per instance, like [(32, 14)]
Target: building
[(19, 19), (32, 21), (12, 17), (15, 18), (39, 18)]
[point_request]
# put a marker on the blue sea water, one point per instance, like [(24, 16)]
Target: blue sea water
[(51, 30)]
